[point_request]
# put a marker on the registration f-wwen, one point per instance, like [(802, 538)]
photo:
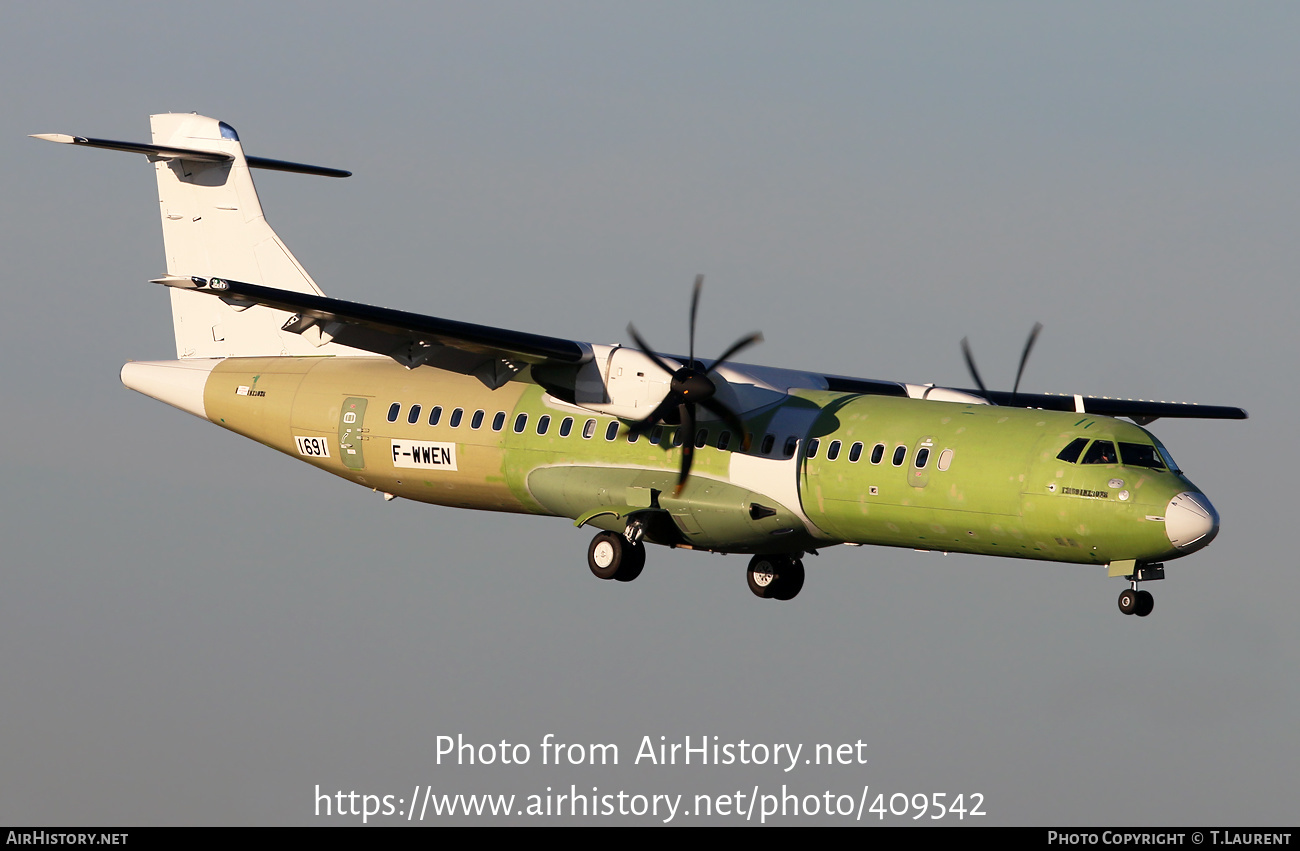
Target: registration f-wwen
[(649, 448)]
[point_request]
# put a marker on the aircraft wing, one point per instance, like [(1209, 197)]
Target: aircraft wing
[(1139, 410), (493, 355)]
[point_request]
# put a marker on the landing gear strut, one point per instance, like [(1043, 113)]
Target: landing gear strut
[(776, 577), (613, 556)]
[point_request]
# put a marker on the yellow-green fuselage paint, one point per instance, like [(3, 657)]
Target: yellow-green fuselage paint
[(991, 482)]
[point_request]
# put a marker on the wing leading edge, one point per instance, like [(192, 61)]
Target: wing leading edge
[(493, 355), (1140, 411)]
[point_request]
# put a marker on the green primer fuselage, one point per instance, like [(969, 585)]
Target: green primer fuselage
[(991, 482)]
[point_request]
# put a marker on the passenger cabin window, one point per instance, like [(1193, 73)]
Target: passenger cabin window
[(435, 415), (632, 436), (588, 429), (677, 436), (922, 457), (393, 410), (1070, 454), (855, 452), (1101, 452), (724, 440), (656, 435), (456, 416), (611, 430), (566, 427), (543, 423), (812, 447), (1140, 455), (476, 421), (945, 460), (701, 438), (833, 451), (499, 421), (791, 444), (877, 453), (768, 442), (521, 423), (900, 455), (413, 416)]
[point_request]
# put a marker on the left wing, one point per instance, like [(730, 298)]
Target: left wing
[(493, 355)]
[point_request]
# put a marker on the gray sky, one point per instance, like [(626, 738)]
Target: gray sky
[(195, 629)]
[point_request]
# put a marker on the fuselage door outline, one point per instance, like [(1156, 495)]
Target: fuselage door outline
[(351, 432), (918, 466)]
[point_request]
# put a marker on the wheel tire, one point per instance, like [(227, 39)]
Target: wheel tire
[(1145, 603), (791, 581), (633, 561), (764, 575), (606, 554), (1128, 601)]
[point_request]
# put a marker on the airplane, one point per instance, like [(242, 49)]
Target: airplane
[(646, 447)]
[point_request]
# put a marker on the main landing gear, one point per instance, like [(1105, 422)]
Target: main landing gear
[(777, 577), (1135, 602), (622, 557), (613, 556)]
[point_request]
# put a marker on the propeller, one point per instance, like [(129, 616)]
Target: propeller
[(1024, 358), (691, 386)]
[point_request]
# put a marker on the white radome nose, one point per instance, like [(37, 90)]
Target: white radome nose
[(1190, 521)]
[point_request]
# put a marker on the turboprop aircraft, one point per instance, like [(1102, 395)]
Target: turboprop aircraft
[(643, 446)]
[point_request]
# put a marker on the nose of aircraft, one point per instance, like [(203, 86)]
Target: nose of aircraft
[(1190, 521)]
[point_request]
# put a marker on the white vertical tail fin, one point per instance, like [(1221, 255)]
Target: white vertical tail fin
[(213, 226)]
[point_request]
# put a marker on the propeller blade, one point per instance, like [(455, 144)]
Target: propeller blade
[(695, 307), (729, 417), (690, 386), (647, 351), (656, 416), (742, 343), (1029, 344), (970, 364), (688, 445)]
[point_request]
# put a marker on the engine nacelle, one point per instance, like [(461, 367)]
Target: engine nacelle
[(943, 394)]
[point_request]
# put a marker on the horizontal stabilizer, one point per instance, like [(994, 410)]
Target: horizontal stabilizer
[(169, 152), (297, 168)]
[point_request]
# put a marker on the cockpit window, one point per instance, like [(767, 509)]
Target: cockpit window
[(227, 132), (1070, 454), (1101, 452), (1169, 459), (1140, 455)]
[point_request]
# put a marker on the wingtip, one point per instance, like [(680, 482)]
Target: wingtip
[(62, 138)]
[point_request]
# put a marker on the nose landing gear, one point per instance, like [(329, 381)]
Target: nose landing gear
[(1135, 602), (1140, 603)]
